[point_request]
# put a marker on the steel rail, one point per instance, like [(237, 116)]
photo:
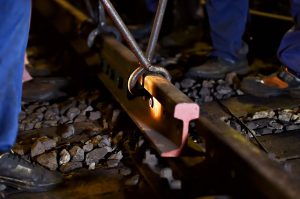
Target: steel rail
[(163, 113), (263, 173), (162, 4)]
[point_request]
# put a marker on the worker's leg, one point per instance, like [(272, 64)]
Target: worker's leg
[(227, 19), (151, 5), (289, 49), (14, 27), (287, 80)]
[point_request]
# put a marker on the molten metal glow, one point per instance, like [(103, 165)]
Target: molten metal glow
[(156, 109)]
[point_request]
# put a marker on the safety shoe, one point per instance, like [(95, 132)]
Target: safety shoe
[(217, 68), (283, 82), (23, 175), (44, 89)]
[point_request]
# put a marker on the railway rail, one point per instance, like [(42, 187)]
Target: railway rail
[(163, 113)]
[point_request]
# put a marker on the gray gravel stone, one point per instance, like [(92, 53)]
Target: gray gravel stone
[(116, 156), (115, 116), (51, 122), (223, 90), (105, 124), (112, 163), (125, 171), (2, 188), (22, 116), (20, 149), (80, 118), (72, 113), (239, 92), (285, 115), (150, 160), (66, 106), (95, 155), (177, 85), (167, 174), (31, 108), (108, 148), (96, 140), (82, 106), (48, 160), (92, 166), (47, 142), (208, 99), (63, 120), (38, 125), (64, 157), (118, 137), (275, 125), (29, 126), (41, 109), (251, 125), (49, 114), (95, 115), (37, 148), (88, 146), (70, 166), (293, 127), (68, 131), (77, 154), (105, 141), (230, 77), (134, 180), (261, 114), (204, 91), (265, 131), (175, 185), (187, 83), (87, 109), (208, 84)]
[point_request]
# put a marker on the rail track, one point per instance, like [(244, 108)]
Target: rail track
[(224, 163)]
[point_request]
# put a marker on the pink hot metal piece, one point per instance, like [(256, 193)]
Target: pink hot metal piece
[(185, 112)]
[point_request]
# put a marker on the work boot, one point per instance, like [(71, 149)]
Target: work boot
[(283, 82), (23, 175), (217, 68), (44, 89)]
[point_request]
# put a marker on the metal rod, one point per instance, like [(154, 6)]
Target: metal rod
[(156, 28), (90, 10), (271, 15), (126, 33), (250, 131)]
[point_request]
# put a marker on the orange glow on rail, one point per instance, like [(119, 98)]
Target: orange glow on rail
[(156, 109)]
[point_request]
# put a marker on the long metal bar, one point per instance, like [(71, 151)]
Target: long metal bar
[(143, 61), (271, 15), (265, 174), (90, 10), (126, 33), (156, 28), (240, 122)]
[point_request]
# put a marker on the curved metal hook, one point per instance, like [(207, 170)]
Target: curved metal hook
[(140, 71)]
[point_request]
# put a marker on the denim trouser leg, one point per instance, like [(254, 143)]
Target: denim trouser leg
[(228, 20), (151, 5), (289, 49), (14, 27)]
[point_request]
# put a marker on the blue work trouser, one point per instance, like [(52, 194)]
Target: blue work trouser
[(289, 49), (228, 19), (151, 5), (14, 28)]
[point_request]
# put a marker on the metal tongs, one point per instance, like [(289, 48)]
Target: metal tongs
[(102, 27), (145, 61)]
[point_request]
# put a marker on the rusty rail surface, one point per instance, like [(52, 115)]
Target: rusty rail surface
[(159, 114)]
